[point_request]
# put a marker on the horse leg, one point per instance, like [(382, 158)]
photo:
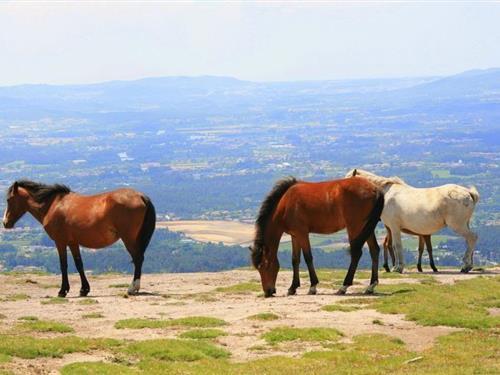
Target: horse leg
[(308, 257), (398, 246), (470, 238), (137, 259), (374, 254), (386, 253), (356, 252), (295, 263), (63, 261), (428, 244), (75, 251), (420, 252)]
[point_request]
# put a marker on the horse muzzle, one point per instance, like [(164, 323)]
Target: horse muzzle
[(8, 225)]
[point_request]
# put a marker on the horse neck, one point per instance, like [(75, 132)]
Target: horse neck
[(39, 210), (272, 236)]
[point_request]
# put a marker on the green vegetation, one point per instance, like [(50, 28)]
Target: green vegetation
[(175, 350), (88, 301), (280, 334), (121, 285), (459, 353), (193, 321), (341, 308), (54, 301), (264, 316), (203, 334), (101, 368), (28, 318), (463, 304), (242, 288), (28, 347), (45, 326), (15, 297), (93, 316)]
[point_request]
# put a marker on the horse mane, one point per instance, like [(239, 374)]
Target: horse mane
[(377, 180), (40, 192), (266, 210)]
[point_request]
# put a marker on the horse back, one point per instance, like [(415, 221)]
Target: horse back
[(326, 207)]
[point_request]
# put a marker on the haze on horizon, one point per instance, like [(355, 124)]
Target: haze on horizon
[(83, 42)]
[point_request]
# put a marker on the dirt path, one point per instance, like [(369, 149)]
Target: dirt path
[(168, 296)]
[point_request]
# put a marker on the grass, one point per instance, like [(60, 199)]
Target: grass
[(463, 304), (266, 316), (377, 322), (357, 301), (121, 285), (241, 288), (92, 316), (203, 334), (342, 308), (468, 352), (28, 318), (15, 297), (193, 321), (102, 368), (88, 301), (28, 347), (281, 334), (175, 350), (54, 301), (45, 326)]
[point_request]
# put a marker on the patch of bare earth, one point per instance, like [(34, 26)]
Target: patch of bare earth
[(166, 296)]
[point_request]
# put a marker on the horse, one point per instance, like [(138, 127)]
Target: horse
[(422, 240), (95, 221), (299, 208), (425, 211)]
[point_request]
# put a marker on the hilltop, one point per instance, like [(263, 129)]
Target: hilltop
[(219, 322)]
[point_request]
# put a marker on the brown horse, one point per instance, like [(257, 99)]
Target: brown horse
[(75, 220), (422, 238), (299, 208)]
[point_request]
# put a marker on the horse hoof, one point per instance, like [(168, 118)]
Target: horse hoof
[(341, 291), (435, 270), (398, 269), (312, 291), (62, 294), (84, 292), (419, 268), (466, 269), (292, 292), (369, 290), (133, 289), (386, 268)]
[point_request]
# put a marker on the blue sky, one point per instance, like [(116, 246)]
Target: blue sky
[(92, 41)]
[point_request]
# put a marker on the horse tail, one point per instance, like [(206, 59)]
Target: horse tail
[(371, 223), (266, 210), (474, 194), (148, 225)]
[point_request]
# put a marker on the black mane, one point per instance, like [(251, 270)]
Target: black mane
[(41, 192), (266, 210)]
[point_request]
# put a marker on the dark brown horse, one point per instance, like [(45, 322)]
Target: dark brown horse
[(75, 220), (299, 208), (422, 238)]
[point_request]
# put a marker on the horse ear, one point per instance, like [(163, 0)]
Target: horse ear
[(15, 187), (354, 172)]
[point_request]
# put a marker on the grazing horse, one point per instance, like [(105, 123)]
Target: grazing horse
[(95, 221), (422, 239), (425, 211), (299, 208)]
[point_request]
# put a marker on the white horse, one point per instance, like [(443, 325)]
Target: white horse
[(425, 211)]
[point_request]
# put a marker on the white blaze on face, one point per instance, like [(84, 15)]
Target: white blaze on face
[(5, 215)]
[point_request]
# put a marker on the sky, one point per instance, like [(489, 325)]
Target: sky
[(81, 42)]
